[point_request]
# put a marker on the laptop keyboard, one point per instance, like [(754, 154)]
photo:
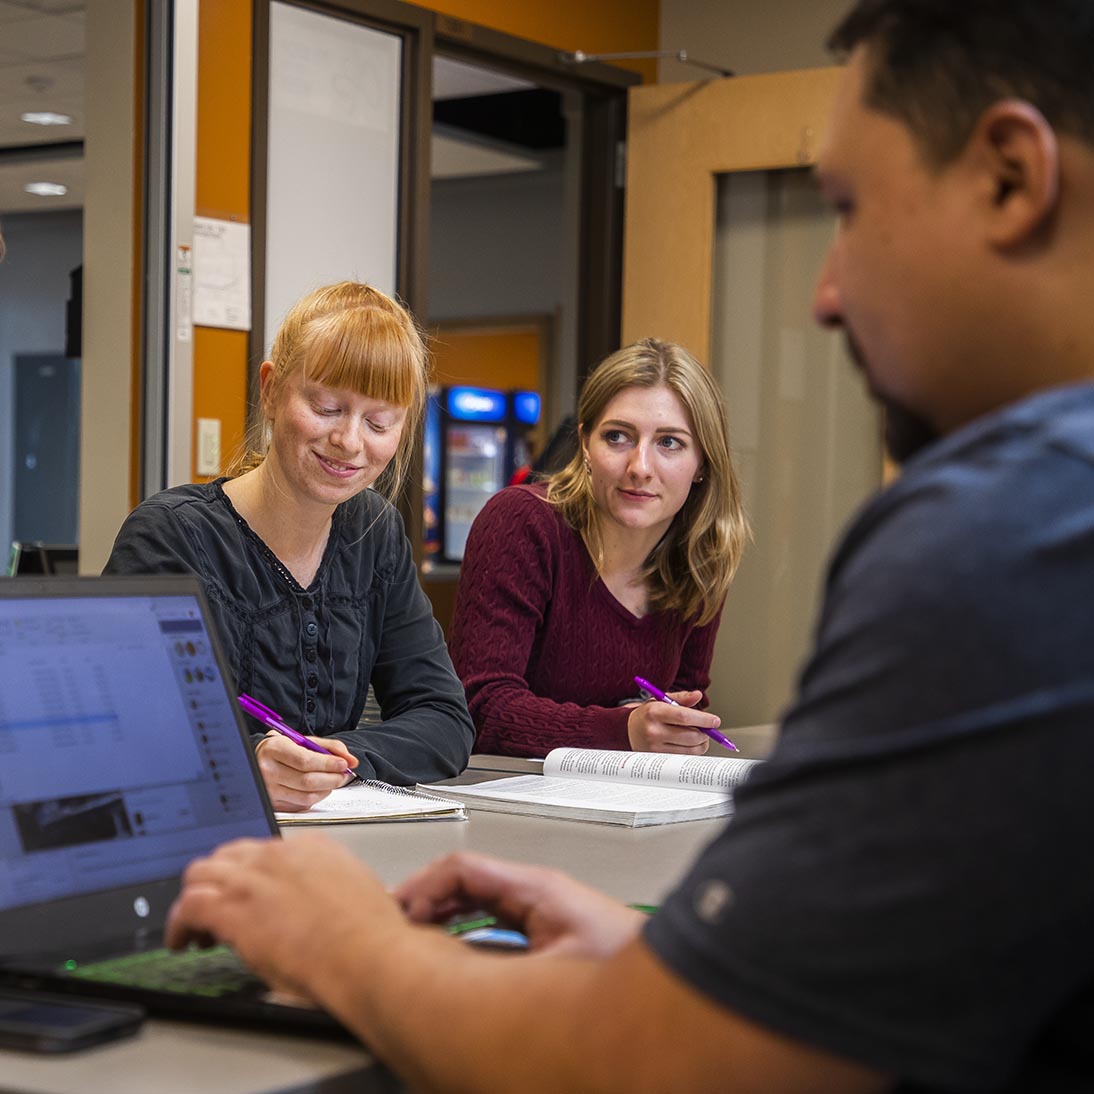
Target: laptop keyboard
[(212, 973)]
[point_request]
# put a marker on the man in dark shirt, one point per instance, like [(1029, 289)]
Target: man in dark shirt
[(901, 901)]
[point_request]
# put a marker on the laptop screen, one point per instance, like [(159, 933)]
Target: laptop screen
[(121, 756)]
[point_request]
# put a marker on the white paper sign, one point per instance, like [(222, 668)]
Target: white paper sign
[(222, 274)]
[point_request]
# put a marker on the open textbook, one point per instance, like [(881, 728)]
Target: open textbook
[(373, 801), (630, 788)]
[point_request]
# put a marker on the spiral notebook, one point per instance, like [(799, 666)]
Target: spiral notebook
[(359, 803)]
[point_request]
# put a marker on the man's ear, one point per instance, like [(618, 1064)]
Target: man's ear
[(1017, 152)]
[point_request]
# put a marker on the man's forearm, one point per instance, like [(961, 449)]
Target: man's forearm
[(448, 1017), (445, 1018)]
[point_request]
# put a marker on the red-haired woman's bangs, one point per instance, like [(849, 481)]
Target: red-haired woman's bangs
[(368, 351)]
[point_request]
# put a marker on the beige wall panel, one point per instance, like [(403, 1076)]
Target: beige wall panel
[(748, 36), (680, 136), (110, 221)]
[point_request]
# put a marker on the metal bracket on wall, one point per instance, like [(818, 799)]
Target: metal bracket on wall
[(580, 57)]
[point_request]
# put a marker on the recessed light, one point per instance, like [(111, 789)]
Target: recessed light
[(46, 189), (45, 117)]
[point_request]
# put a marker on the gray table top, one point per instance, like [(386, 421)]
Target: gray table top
[(634, 865), (654, 859)]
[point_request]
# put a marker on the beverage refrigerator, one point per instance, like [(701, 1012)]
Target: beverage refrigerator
[(475, 438)]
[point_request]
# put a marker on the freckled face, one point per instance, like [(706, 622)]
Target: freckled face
[(644, 459), (330, 443)]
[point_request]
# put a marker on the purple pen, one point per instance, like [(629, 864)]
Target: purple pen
[(274, 720), (660, 696)]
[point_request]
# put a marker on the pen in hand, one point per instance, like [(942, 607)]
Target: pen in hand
[(272, 719), (660, 696)]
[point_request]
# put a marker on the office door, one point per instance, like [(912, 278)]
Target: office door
[(342, 159), (46, 468)]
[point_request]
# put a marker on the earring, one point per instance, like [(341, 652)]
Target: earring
[(588, 466), (699, 480)]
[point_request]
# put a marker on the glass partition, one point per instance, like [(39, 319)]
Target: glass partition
[(333, 156)]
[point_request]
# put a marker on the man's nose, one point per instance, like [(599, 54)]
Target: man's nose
[(827, 305)]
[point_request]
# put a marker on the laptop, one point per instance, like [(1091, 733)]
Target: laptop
[(123, 755)]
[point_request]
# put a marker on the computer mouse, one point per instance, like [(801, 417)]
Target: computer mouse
[(483, 929)]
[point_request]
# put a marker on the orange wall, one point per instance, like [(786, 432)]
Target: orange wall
[(502, 357), (594, 26), (224, 137), (505, 357), (222, 190)]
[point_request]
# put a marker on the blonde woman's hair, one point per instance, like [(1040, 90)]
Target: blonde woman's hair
[(348, 335), (691, 567)]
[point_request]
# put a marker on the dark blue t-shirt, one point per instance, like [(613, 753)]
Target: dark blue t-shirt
[(906, 883)]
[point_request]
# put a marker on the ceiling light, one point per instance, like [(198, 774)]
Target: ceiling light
[(46, 189), (45, 117)]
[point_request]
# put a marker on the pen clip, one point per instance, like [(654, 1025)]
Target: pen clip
[(262, 712), (253, 706)]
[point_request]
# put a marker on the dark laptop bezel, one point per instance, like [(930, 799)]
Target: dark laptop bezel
[(25, 964), (129, 912)]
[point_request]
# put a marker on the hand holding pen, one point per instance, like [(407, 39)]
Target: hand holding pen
[(660, 732), (297, 770)]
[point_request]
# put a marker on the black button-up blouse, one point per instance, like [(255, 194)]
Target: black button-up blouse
[(310, 654)]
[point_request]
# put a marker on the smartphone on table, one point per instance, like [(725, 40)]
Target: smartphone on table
[(37, 1022)]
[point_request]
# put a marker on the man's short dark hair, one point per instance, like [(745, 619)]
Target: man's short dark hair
[(937, 65)]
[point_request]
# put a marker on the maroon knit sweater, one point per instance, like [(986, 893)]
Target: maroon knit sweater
[(544, 650)]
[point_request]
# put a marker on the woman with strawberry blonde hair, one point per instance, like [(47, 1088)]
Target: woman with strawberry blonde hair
[(305, 562)]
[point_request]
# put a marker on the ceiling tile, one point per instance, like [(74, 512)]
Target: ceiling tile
[(20, 85), (14, 176), (42, 38), (47, 7), (9, 12), (458, 79)]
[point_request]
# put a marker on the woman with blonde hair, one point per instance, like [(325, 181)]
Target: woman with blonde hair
[(616, 567), (305, 564)]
